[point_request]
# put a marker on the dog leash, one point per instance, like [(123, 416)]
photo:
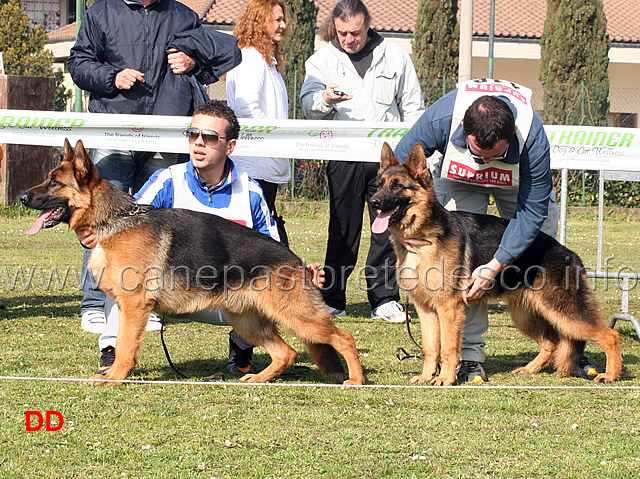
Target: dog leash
[(401, 353), (166, 350)]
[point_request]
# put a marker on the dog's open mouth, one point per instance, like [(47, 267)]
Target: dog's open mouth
[(47, 219), (382, 221)]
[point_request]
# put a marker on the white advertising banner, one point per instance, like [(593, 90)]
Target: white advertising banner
[(573, 147)]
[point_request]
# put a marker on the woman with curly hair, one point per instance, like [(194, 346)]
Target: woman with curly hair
[(255, 89)]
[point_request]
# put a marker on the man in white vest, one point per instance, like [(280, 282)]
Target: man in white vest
[(491, 143)]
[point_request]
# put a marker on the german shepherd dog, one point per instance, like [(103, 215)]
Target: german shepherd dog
[(547, 289), (178, 261)]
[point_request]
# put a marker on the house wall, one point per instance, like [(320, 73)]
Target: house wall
[(43, 12)]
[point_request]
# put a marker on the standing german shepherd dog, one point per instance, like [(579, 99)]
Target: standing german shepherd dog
[(178, 261), (547, 289)]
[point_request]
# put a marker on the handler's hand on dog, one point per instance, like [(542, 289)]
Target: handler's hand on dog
[(180, 62), (483, 278), (87, 238), (127, 77), (317, 274)]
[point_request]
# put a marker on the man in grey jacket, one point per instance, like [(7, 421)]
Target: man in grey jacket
[(358, 76)]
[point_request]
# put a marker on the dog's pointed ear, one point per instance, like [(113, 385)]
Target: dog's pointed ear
[(67, 150), (417, 161), (84, 168), (387, 158)]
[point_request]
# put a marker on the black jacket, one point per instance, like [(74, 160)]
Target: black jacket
[(215, 54), (119, 34)]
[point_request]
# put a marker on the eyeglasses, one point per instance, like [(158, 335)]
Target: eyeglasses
[(209, 137), (482, 159)]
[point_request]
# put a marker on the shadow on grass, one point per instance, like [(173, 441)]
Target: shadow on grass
[(24, 307), (196, 369), (505, 363)]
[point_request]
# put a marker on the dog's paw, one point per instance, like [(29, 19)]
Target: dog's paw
[(442, 381), (248, 378), (98, 380), (420, 379), (102, 380), (604, 378), (522, 370), (353, 382)]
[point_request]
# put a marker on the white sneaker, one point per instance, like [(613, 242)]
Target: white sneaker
[(336, 312), (93, 321), (392, 312), (154, 323)]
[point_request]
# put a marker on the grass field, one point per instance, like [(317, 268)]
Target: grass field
[(540, 426)]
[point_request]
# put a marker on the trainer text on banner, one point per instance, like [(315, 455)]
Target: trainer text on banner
[(573, 147)]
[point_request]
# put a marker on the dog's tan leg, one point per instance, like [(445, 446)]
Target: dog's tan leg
[(346, 346), (282, 357), (585, 325), (133, 316), (541, 332), (609, 340), (304, 313), (430, 329), (451, 316), (261, 332)]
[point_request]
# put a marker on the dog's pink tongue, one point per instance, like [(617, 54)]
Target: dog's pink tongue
[(381, 223), (37, 226)]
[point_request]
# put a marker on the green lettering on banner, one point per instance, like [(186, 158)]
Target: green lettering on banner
[(599, 135), (258, 128), (565, 134), (23, 121), (62, 122), (46, 122), (578, 139), (7, 121), (388, 132), (77, 123), (612, 137), (400, 132), (627, 139)]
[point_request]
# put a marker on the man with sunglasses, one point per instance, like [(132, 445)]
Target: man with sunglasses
[(209, 183), (491, 143), (140, 57)]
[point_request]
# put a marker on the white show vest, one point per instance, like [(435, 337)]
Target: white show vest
[(239, 209), (457, 163)]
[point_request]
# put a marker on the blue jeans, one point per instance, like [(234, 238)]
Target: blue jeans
[(127, 170)]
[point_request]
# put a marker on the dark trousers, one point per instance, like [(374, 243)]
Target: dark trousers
[(270, 191), (351, 184)]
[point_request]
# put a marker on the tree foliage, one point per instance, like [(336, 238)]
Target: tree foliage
[(435, 47), (574, 67), (298, 47), (23, 49)]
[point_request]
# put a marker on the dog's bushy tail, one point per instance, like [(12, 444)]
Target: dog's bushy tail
[(328, 361), (567, 357)]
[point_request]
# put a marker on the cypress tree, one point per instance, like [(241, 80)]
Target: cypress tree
[(574, 66), (297, 48), (435, 47)]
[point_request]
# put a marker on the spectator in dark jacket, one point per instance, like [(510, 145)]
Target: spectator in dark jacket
[(122, 57)]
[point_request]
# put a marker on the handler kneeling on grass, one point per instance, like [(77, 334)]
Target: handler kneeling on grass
[(208, 183)]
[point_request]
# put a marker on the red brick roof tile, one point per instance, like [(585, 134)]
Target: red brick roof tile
[(514, 18)]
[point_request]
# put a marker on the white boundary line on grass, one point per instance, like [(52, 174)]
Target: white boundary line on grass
[(306, 385)]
